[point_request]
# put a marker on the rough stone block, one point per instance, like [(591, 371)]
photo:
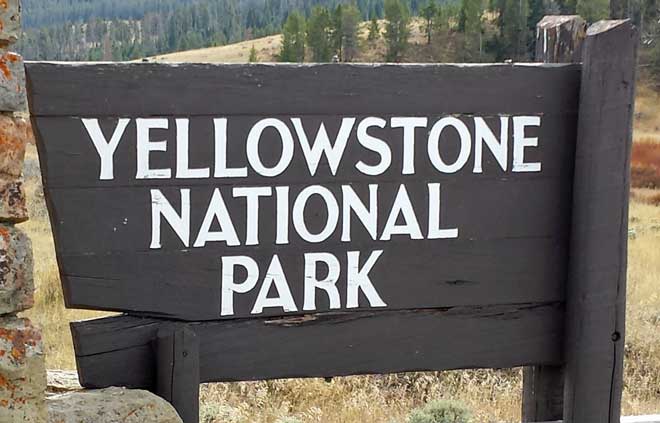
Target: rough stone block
[(60, 381), (12, 82), (13, 207), (22, 372), (15, 133), (110, 405), (10, 20), (16, 281)]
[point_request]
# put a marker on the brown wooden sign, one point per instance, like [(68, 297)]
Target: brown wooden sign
[(316, 220)]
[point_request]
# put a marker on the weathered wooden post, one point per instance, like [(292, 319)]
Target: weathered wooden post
[(596, 289), (559, 39), (177, 355), (543, 393)]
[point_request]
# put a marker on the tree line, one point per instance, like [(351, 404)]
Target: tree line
[(313, 30), (477, 30), (130, 29), (332, 33)]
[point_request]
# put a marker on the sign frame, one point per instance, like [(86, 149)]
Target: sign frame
[(581, 333)]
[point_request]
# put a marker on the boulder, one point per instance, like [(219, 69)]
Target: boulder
[(110, 405), (22, 372), (16, 279)]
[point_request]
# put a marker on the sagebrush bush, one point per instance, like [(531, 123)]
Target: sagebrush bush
[(440, 411), (645, 165)]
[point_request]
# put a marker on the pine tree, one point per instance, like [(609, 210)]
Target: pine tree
[(593, 10), (374, 30), (337, 31), (350, 21), (514, 39), (470, 26), (319, 34), (514, 28), (293, 39), (344, 31), (253, 55), (396, 29), (429, 13)]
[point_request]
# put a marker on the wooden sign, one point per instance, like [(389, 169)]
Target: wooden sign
[(315, 220)]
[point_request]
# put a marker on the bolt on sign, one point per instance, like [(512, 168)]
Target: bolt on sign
[(268, 221)]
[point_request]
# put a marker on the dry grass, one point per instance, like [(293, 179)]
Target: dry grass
[(642, 393), (49, 311), (492, 395), (267, 48)]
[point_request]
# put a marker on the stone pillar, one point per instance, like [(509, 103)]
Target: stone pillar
[(22, 367)]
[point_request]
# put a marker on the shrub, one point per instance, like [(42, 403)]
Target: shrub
[(645, 165), (440, 411)]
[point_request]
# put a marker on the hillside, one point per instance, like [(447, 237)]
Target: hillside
[(130, 29), (446, 47), (267, 49)]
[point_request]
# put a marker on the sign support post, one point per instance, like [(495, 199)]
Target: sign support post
[(558, 39), (596, 286), (177, 360)]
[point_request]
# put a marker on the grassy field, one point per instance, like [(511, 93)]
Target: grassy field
[(492, 395)]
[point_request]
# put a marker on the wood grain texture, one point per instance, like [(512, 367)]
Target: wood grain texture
[(596, 289), (513, 227), (177, 376), (118, 351), (558, 39), (543, 393), (148, 89)]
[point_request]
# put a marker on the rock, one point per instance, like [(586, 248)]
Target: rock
[(110, 405), (12, 82), (62, 381), (16, 281), (22, 372), (14, 135), (10, 20), (13, 207)]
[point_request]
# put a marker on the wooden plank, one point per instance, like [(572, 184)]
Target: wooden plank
[(513, 228), (326, 345), (596, 289), (71, 161), (193, 298), (146, 89), (543, 393), (177, 357)]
